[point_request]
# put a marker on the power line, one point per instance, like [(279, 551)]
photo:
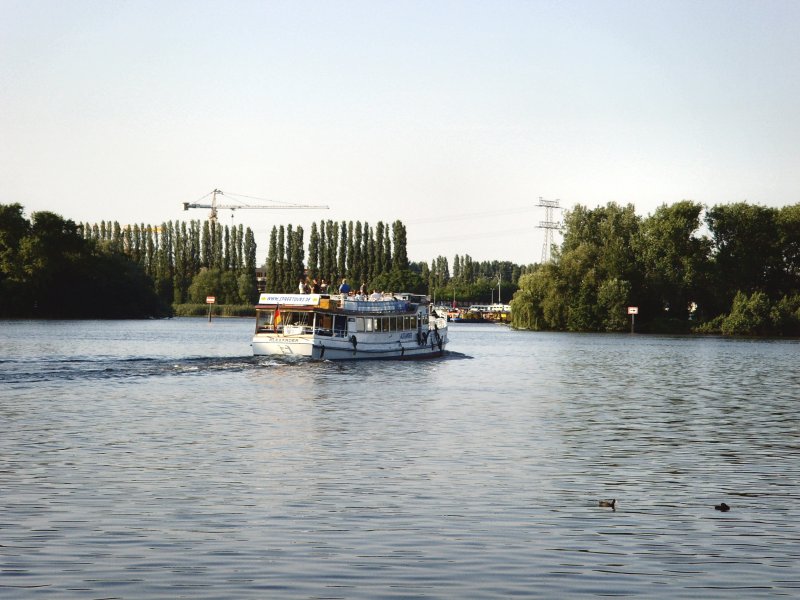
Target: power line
[(477, 236), (466, 216)]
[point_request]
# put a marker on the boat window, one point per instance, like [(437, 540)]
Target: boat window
[(360, 324), (413, 322), (264, 320), (368, 322), (406, 323), (340, 325)]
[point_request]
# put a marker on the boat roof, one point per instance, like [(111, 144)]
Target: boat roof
[(396, 304)]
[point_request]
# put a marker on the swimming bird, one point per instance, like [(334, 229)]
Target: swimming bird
[(609, 503), (722, 506)]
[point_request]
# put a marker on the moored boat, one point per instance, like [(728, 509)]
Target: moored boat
[(334, 327)]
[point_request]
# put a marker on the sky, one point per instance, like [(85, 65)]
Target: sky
[(455, 117)]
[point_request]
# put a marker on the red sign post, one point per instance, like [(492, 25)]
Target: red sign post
[(210, 300)]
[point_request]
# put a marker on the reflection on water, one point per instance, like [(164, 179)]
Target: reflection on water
[(159, 459)]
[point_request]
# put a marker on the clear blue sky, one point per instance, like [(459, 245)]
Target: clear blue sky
[(452, 116)]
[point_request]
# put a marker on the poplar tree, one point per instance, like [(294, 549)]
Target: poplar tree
[(301, 253), (248, 287), (332, 235), (227, 259), (324, 268), (280, 278), (387, 252), (366, 260), (116, 237), (290, 275), (240, 255), (372, 257), (195, 260), (342, 264), (218, 251), (313, 252), (272, 262), (205, 248), (400, 252), (358, 260), (351, 254), (151, 253), (136, 250), (380, 257), (127, 240)]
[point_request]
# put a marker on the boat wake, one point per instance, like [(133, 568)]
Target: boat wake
[(114, 368), (93, 368)]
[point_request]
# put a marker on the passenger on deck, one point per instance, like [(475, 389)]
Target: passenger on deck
[(344, 289), (301, 288), (375, 296), (323, 287), (315, 287)]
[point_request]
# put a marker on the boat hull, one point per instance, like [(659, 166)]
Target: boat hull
[(322, 348)]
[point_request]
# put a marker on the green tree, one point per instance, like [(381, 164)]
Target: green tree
[(341, 267), (673, 259), (247, 283), (313, 252), (746, 251), (272, 275), (400, 243)]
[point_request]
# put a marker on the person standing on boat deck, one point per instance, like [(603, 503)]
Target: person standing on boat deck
[(375, 296), (301, 288), (344, 289), (314, 287), (363, 290), (323, 287)]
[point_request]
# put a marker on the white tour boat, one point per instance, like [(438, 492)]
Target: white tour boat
[(333, 327)]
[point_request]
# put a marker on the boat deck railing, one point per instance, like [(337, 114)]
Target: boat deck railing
[(377, 306)]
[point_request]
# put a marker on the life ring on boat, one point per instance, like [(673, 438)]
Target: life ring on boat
[(353, 341)]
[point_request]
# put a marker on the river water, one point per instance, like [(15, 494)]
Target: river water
[(158, 459)]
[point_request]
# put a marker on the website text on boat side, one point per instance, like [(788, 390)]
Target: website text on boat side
[(342, 327)]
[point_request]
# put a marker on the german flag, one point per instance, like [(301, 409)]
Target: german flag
[(276, 320)]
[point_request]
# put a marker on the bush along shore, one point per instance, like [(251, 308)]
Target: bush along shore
[(217, 310), (732, 269)]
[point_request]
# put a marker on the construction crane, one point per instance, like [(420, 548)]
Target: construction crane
[(215, 207)]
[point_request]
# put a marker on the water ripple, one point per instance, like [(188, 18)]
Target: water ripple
[(161, 460)]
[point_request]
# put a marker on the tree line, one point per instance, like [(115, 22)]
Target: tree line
[(187, 261), (151, 268), (731, 268), (49, 269), (377, 257)]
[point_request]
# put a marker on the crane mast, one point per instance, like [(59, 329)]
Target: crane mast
[(215, 206)]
